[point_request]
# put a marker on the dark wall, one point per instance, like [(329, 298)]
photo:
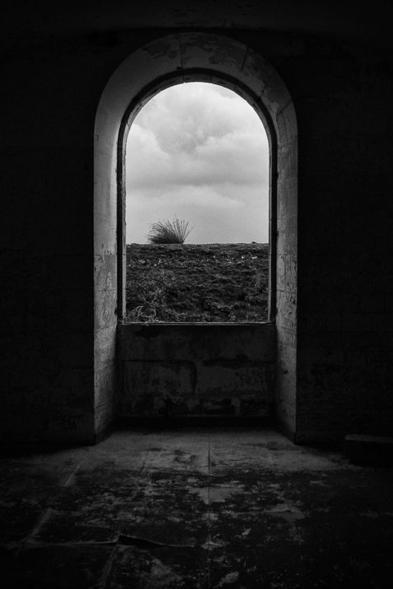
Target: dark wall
[(343, 99), (342, 91), (196, 370)]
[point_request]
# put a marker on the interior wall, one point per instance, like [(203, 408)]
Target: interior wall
[(345, 242), (196, 370), (342, 89), (46, 243)]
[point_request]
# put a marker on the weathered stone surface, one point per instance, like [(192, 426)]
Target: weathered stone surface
[(194, 509), (194, 369)]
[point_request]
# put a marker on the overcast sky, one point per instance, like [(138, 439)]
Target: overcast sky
[(200, 152)]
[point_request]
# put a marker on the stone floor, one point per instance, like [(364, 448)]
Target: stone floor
[(195, 508)]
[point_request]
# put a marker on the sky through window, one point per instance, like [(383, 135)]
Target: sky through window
[(200, 152)]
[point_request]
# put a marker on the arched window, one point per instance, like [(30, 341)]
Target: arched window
[(197, 170), (193, 57)]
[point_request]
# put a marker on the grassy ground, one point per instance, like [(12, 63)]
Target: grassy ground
[(210, 282)]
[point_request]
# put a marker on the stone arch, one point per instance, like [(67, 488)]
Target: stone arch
[(172, 59)]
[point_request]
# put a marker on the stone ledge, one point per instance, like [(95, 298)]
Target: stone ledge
[(369, 450)]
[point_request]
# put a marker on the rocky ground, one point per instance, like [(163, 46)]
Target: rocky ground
[(209, 282)]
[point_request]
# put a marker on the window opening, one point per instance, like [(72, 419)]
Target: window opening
[(197, 155)]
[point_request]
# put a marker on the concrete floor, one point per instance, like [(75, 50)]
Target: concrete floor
[(195, 508)]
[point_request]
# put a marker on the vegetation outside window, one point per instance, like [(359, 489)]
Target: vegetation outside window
[(197, 212)]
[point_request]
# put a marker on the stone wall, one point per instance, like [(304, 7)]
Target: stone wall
[(341, 84), (194, 370)]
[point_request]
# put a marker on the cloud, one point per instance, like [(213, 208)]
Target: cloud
[(197, 147)]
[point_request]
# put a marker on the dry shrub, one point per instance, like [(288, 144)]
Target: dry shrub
[(175, 231)]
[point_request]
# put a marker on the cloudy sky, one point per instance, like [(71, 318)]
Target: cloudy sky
[(199, 152)]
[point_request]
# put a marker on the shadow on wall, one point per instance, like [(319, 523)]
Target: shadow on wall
[(194, 370)]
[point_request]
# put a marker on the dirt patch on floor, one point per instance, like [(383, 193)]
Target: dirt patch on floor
[(209, 282)]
